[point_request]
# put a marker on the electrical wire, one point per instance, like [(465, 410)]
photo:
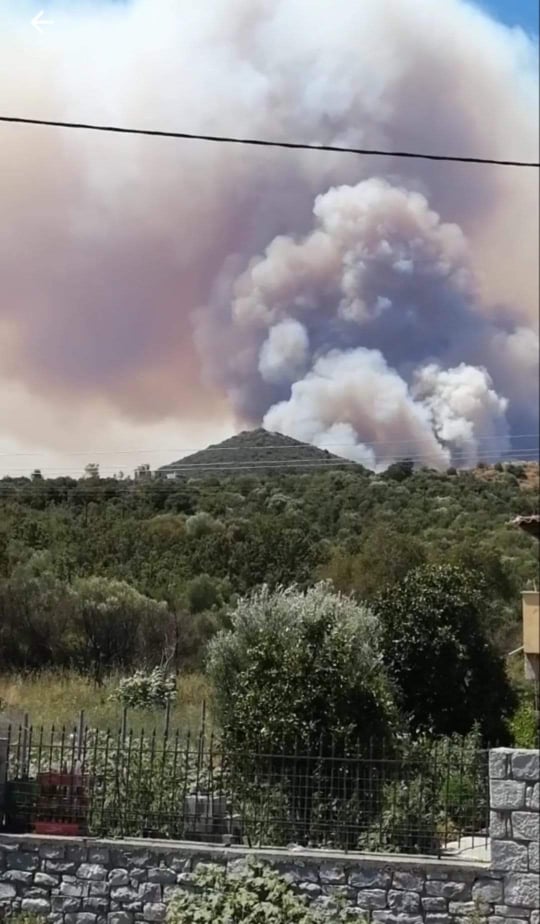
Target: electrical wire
[(180, 465), (260, 142), (225, 467), (8, 488), (269, 448)]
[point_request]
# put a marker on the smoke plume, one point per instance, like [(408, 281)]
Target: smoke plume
[(379, 307)]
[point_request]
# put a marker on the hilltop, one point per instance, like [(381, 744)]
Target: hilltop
[(256, 451)]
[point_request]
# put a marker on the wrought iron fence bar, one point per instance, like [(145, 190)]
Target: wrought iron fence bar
[(136, 784)]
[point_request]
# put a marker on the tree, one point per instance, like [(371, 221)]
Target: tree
[(399, 471), (300, 669), (118, 626), (35, 616), (436, 651), (385, 557)]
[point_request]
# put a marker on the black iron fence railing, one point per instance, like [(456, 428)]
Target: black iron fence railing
[(430, 798)]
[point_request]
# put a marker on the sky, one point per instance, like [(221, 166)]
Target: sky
[(522, 13), (159, 295)]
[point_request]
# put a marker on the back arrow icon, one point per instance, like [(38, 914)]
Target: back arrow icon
[(38, 21)]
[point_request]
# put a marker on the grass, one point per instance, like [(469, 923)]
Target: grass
[(58, 699)]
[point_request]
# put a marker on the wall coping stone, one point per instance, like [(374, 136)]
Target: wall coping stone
[(223, 853)]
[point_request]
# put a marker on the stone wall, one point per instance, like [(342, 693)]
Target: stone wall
[(515, 829), (85, 881), (109, 882)]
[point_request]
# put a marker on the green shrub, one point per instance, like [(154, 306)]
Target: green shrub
[(524, 725), (300, 670), (146, 689), (252, 894)]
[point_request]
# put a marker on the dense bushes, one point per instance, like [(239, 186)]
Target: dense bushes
[(438, 654)]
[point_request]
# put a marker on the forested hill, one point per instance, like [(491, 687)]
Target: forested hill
[(258, 451), (243, 529)]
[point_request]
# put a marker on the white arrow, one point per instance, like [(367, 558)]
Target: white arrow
[(38, 21)]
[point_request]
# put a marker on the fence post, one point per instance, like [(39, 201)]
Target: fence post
[(3, 772)]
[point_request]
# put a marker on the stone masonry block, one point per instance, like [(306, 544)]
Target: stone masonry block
[(454, 891), (495, 919), (149, 892), (370, 879), (498, 825), (488, 890), (535, 916), (498, 763), (59, 904), (434, 904), (408, 881), (99, 855), (521, 889), (526, 765), (163, 875), (371, 898), (468, 909), (138, 875), (332, 874), (72, 889), (507, 794), (534, 857), (62, 867), (99, 889), (23, 876), (91, 871), (532, 797), (52, 851), (525, 826), (511, 911), (407, 902), (36, 905), (20, 860), (7, 892), (124, 894), (85, 917), (118, 877), (46, 880), (154, 912), (509, 856)]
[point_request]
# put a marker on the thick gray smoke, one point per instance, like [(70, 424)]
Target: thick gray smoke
[(370, 305), (363, 329)]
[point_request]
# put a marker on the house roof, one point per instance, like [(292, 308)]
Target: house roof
[(529, 524)]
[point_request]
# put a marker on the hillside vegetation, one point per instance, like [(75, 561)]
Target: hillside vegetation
[(196, 542)]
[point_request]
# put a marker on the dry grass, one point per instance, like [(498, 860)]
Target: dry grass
[(58, 699)]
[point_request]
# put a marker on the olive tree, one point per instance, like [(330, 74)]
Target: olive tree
[(300, 669)]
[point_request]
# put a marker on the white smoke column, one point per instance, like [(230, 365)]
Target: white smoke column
[(284, 352), (466, 413), (352, 393)]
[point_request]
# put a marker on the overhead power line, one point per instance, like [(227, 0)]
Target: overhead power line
[(265, 143), (179, 465), (271, 447)]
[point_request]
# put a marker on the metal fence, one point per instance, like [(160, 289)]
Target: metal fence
[(427, 798)]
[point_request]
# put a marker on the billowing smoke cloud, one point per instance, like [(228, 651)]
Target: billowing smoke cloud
[(342, 299)]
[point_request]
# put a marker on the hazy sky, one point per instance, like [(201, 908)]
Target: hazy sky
[(157, 295)]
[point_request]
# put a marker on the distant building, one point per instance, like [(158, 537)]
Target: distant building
[(530, 607)]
